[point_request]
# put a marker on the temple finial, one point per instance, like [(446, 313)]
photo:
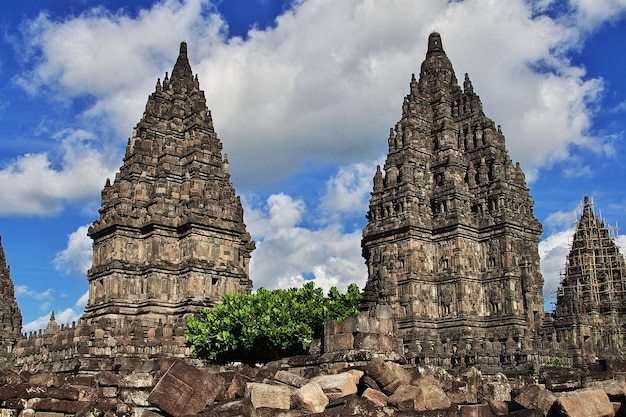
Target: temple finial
[(434, 43), (182, 70)]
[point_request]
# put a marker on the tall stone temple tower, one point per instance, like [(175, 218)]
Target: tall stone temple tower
[(10, 314), (590, 313), (451, 243), (170, 238)]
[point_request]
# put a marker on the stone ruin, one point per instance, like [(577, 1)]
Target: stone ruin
[(453, 297), (451, 243), (10, 314), (170, 239), (590, 312)]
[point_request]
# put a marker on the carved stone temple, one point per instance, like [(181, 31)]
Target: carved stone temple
[(10, 315), (451, 243), (170, 238), (590, 313)]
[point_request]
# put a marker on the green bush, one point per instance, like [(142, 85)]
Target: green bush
[(269, 324)]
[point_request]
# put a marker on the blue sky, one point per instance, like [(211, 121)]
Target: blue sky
[(303, 94)]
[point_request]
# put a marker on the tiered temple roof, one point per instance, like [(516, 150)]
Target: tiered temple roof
[(170, 238), (452, 241), (590, 313), (10, 315)]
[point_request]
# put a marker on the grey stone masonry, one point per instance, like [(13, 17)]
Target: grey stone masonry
[(170, 238), (590, 314), (10, 314), (451, 242)]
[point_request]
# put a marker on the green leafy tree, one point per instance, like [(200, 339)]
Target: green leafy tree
[(269, 324)]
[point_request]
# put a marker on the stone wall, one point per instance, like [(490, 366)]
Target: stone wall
[(85, 348)]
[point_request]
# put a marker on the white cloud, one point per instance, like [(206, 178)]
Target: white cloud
[(348, 192), (590, 14), (113, 57), (24, 291), (553, 253), (75, 259), (288, 254), (328, 81), (82, 301), (33, 184), (560, 220)]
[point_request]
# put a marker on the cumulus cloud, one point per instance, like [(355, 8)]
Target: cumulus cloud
[(348, 192), (553, 252), (25, 291), (75, 259), (328, 80), (325, 83), (112, 57), (288, 254), (33, 184)]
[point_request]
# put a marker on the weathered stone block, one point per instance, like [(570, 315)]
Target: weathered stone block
[(47, 414), (377, 398), (27, 412), (336, 386), (8, 391), (134, 396), (535, 397), (109, 392), (275, 397), (379, 372), (360, 324), (562, 379), (106, 379), (137, 380), (356, 375), (31, 391), (499, 391), (65, 393), (408, 398), (377, 342), (612, 387), (9, 377), (185, 389), (290, 378), (333, 327), (15, 404), (475, 410), (499, 408), (434, 398), (385, 326), (584, 403), (338, 342), (61, 406), (310, 398), (46, 379)]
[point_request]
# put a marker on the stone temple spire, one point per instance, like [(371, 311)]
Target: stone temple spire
[(170, 238), (10, 315), (590, 312), (451, 243), (182, 76)]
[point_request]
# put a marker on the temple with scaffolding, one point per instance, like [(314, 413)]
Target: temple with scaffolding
[(590, 312)]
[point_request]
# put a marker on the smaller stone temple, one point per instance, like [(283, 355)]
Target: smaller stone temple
[(10, 315), (170, 239), (590, 313)]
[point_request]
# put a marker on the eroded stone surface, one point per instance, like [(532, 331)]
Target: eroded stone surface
[(185, 389)]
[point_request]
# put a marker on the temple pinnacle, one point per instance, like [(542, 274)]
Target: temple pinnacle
[(182, 69), (434, 43)]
